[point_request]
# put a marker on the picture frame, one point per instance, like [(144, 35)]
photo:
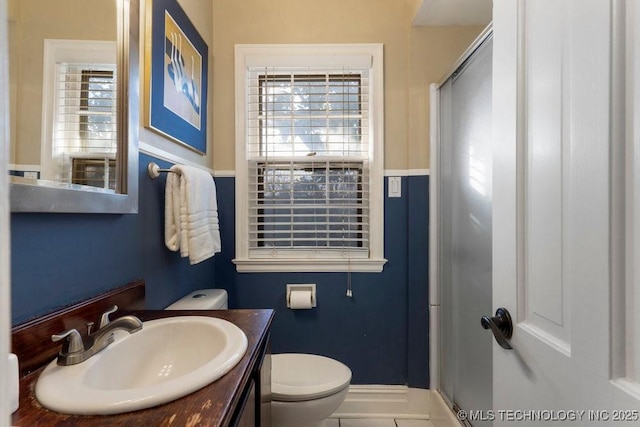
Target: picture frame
[(176, 79)]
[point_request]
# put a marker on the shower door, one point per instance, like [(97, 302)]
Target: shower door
[(464, 234)]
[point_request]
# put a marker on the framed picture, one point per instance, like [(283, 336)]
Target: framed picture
[(176, 76)]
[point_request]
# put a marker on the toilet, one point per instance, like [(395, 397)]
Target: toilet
[(204, 299), (305, 388)]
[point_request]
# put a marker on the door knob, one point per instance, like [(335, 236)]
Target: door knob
[(501, 326)]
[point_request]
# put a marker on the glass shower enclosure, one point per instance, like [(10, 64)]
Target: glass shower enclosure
[(464, 234)]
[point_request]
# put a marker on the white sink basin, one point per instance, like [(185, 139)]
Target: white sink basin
[(167, 359)]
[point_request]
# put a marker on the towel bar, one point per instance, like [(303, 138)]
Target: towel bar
[(154, 170)]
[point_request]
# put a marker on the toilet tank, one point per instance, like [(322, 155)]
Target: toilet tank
[(203, 299)]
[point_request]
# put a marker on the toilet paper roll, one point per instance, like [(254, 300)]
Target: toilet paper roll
[(300, 300)]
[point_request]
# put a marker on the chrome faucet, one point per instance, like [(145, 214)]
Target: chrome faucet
[(77, 349)]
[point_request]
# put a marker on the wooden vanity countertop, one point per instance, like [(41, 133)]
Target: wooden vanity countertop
[(211, 406)]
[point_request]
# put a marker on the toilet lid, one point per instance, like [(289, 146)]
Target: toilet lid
[(297, 377)]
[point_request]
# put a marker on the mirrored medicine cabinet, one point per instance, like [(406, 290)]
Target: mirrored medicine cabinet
[(74, 105)]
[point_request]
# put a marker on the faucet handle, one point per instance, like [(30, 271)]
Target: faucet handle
[(73, 344), (104, 319)]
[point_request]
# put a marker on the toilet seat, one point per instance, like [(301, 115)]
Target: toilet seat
[(298, 377)]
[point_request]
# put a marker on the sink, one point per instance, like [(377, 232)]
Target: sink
[(167, 359)]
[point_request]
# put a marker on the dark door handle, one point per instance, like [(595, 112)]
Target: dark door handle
[(501, 326)]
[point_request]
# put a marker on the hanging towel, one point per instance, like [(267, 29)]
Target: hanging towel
[(191, 213)]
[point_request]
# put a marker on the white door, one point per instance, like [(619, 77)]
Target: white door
[(566, 213)]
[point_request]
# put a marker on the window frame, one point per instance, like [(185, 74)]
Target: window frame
[(312, 57), (65, 51)]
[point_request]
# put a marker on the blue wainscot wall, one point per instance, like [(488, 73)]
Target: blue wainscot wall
[(59, 259), (381, 333)]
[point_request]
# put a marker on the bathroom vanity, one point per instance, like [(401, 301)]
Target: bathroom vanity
[(239, 398)]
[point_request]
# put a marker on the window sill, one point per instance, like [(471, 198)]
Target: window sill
[(245, 265)]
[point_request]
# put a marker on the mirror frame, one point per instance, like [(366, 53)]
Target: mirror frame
[(39, 198)]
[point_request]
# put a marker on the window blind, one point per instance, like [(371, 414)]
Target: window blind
[(85, 114), (308, 154)]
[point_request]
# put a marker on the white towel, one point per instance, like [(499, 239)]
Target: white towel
[(191, 213)]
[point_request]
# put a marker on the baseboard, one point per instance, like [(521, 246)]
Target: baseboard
[(441, 414), (384, 401)]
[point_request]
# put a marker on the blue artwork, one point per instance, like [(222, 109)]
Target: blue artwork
[(178, 77), (183, 80)]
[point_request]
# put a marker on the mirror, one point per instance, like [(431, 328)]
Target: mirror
[(74, 145)]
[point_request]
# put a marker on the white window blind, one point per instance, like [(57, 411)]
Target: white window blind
[(85, 124), (308, 154)]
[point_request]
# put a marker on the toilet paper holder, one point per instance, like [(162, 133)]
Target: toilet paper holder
[(301, 287)]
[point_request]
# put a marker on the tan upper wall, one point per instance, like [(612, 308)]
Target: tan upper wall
[(414, 57), (434, 50)]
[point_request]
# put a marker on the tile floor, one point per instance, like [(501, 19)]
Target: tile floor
[(378, 422)]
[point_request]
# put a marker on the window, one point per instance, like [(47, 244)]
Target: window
[(97, 111), (79, 108), (309, 158)]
